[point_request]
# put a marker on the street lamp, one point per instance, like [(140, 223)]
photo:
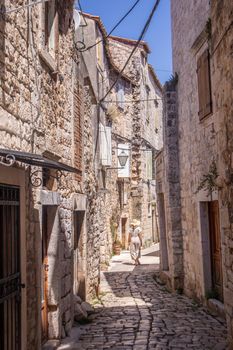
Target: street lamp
[(123, 157)]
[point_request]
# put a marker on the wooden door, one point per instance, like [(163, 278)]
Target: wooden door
[(163, 233), (215, 249), (79, 258), (10, 277), (154, 238), (123, 232), (44, 276)]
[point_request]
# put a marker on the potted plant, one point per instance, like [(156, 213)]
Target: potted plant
[(116, 246)]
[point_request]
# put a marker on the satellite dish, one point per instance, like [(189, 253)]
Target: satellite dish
[(77, 19)]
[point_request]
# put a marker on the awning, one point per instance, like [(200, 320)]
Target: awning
[(37, 160)]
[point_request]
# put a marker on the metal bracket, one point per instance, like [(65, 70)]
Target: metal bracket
[(114, 168), (8, 160), (36, 180)]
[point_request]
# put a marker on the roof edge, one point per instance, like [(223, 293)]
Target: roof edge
[(101, 26), (131, 42), (156, 79)]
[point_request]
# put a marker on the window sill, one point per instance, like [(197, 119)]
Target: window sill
[(48, 60)]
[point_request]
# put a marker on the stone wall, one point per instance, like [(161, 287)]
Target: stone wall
[(168, 185), (93, 217), (145, 128), (197, 140), (36, 110), (197, 27), (222, 83)]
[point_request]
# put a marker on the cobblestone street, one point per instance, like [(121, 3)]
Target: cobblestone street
[(138, 313)]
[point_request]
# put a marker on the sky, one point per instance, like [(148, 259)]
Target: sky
[(158, 35)]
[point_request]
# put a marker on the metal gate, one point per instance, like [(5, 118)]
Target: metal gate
[(10, 284)]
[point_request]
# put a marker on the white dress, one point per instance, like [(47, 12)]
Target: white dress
[(135, 243)]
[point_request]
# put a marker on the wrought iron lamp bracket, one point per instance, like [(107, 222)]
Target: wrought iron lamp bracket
[(36, 180), (8, 160)]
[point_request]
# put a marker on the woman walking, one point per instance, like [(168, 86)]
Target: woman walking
[(135, 240)]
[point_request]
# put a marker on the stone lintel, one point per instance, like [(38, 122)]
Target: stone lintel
[(49, 198)]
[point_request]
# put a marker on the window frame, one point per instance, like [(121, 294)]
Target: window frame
[(204, 85), (120, 95), (51, 30)]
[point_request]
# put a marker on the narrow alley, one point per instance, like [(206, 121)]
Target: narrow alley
[(116, 143), (138, 313)]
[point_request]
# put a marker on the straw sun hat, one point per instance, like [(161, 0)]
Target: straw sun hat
[(135, 222)]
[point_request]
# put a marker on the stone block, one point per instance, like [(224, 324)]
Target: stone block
[(77, 299), (87, 307), (79, 313)]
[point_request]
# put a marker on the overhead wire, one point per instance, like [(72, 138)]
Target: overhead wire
[(98, 105), (81, 10), (143, 32), (112, 30), (83, 47), (133, 101)]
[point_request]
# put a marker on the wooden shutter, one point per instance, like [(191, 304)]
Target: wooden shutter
[(120, 96), (105, 145), (204, 87), (78, 145), (148, 165)]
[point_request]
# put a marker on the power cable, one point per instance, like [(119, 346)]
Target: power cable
[(133, 101), (143, 32), (111, 31), (80, 44), (81, 10)]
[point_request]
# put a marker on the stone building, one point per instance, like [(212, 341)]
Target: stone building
[(194, 184), (138, 129), (129, 120), (39, 175), (59, 141)]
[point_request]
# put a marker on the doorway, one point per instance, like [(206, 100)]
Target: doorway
[(50, 272), (155, 233), (215, 249), (44, 275), (123, 233), (10, 272), (163, 233), (79, 258)]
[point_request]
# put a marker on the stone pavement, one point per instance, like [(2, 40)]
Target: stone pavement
[(137, 313)]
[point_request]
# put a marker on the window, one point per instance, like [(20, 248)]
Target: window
[(78, 136), (51, 27), (204, 87), (120, 96), (148, 110), (149, 210), (153, 173), (149, 165), (105, 145), (143, 58), (101, 84), (99, 50)]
